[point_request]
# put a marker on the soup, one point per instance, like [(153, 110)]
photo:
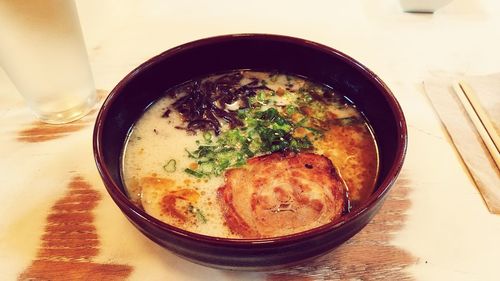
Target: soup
[(249, 154)]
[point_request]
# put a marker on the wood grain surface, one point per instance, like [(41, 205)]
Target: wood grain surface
[(369, 255), (71, 242)]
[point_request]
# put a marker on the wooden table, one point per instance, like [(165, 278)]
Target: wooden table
[(58, 223)]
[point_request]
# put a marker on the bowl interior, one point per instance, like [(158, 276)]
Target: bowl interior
[(149, 81)]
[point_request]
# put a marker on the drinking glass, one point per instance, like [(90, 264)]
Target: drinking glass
[(423, 6), (43, 52)]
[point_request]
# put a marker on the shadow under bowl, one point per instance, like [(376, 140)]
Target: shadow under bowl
[(148, 82)]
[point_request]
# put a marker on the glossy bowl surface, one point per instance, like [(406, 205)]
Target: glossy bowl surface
[(148, 82)]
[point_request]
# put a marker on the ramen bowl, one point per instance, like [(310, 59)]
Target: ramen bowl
[(148, 82)]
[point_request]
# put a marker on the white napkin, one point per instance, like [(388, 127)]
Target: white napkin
[(464, 135)]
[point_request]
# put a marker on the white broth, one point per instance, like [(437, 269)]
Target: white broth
[(174, 164)]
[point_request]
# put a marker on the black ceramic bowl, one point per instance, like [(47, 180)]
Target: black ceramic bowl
[(148, 82)]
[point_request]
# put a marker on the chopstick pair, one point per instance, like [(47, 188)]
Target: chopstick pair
[(479, 118)]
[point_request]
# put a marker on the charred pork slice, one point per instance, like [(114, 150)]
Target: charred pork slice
[(280, 194)]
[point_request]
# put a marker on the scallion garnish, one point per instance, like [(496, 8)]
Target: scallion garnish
[(170, 166), (194, 173)]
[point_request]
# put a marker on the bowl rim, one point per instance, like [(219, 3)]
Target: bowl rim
[(127, 206)]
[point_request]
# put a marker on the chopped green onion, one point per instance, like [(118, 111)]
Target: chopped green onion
[(307, 98), (265, 131), (194, 173), (314, 130), (290, 109), (261, 96), (198, 213), (207, 136), (301, 122), (190, 155), (170, 166), (242, 113), (200, 216)]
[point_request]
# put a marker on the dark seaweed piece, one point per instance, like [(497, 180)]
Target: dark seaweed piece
[(204, 103), (317, 97), (347, 121), (229, 79), (166, 113), (225, 95), (210, 116), (327, 94), (230, 117), (254, 82), (204, 125)]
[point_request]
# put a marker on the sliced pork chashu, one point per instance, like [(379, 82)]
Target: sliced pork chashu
[(280, 194)]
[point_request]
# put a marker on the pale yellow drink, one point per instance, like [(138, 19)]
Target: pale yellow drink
[(43, 52)]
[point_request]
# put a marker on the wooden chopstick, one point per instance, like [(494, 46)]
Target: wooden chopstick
[(479, 118)]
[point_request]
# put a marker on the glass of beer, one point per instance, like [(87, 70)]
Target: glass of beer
[(43, 52)]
